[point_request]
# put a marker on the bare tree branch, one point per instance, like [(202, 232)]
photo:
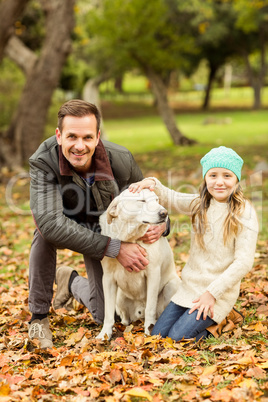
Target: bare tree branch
[(20, 54)]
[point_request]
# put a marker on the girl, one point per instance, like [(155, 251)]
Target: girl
[(223, 242)]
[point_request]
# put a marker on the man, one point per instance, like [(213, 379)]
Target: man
[(74, 177)]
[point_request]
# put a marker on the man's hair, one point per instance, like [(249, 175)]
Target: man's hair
[(78, 108)]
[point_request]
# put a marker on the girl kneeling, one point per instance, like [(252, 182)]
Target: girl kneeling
[(223, 242)]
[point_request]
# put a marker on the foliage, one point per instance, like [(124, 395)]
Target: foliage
[(252, 15), (227, 30), (114, 37), (11, 84), (212, 23), (74, 75), (137, 33), (30, 28)]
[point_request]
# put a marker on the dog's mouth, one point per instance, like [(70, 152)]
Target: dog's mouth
[(154, 223), (158, 218)]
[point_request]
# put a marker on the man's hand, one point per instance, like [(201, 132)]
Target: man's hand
[(154, 233), (204, 304), (132, 257)]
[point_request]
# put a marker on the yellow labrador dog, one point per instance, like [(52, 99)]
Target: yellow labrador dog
[(142, 294)]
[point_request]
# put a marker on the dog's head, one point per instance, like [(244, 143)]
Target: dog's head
[(142, 208)]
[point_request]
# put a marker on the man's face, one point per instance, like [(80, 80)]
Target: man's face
[(78, 140)]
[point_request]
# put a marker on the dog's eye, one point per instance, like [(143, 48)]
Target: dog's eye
[(142, 200)]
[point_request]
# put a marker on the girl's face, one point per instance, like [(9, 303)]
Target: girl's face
[(220, 183)]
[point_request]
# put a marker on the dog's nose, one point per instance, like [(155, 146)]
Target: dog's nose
[(163, 214)]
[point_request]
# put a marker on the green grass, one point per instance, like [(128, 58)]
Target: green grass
[(132, 84), (135, 84), (145, 134), (235, 98)]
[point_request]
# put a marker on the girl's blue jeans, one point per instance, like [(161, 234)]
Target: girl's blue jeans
[(176, 323)]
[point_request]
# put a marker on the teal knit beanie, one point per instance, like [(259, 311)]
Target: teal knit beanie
[(222, 157)]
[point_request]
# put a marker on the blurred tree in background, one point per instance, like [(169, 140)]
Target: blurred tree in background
[(41, 55), (230, 29), (136, 34), (212, 25), (252, 22)]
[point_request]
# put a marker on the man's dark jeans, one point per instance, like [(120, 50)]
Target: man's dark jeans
[(42, 269)]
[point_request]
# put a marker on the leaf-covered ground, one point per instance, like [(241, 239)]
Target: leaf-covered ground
[(131, 367)]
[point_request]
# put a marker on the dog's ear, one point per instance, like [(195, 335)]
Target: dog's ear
[(112, 211)]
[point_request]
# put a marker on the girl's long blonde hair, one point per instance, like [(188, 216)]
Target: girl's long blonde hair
[(236, 204)]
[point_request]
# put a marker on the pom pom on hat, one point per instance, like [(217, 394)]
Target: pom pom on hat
[(222, 157)]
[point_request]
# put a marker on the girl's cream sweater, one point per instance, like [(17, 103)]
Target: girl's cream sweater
[(219, 267)]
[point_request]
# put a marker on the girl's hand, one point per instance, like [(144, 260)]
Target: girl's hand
[(204, 304), (140, 185)]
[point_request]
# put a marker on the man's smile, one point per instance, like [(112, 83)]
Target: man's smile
[(78, 154)]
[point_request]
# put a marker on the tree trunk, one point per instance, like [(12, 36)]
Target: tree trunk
[(118, 84), (160, 92), (91, 94), (211, 77), (10, 10), (257, 76), (228, 72), (26, 130), (21, 54), (257, 87)]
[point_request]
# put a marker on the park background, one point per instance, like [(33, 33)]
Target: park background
[(173, 79)]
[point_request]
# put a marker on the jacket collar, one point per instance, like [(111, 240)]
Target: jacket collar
[(103, 170)]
